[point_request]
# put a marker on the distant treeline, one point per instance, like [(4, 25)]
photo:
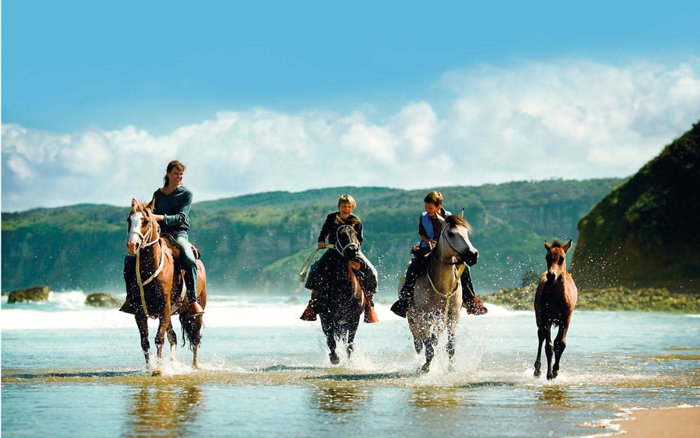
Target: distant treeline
[(258, 242)]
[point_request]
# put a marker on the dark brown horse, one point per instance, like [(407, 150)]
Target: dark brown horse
[(555, 300), (341, 300), (155, 284)]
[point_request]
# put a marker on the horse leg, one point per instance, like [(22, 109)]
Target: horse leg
[(430, 342), (549, 350), (559, 347), (329, 330), (330, 340), (451, 336), (172, 339), (197, 323), (538, 363), (351, 337), (142, 324), (160, 340)]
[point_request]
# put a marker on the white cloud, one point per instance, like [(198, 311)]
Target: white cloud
[(569, 119)]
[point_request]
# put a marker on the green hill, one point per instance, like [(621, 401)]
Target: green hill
[(257, 242), (645, 232)]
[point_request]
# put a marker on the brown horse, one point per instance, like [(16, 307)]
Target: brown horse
[(555, 300), (155, 284)]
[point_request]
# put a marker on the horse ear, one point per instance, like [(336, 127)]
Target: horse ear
[(547, 246), (567, 246), (151, 205), (461, 213)]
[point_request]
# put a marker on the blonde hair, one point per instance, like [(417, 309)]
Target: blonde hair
[(434, 198), (347, 199)]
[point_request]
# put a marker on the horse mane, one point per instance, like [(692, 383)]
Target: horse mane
[(457, 220), (556, 243)]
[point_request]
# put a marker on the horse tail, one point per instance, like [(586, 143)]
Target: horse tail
[(189, 332)]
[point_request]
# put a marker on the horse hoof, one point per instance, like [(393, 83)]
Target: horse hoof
[(550, 376), (156, 373), (335, 360), (537, 373), (425, 368)]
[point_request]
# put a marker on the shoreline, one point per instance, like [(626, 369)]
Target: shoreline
[(682, 421)]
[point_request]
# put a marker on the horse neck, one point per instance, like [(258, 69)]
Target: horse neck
[(152, 253), (441, 270)]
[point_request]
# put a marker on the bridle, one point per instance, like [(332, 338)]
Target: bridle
[(446, 295), (338, 245)]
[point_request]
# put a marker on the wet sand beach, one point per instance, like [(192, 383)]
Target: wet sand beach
[(662, 423)]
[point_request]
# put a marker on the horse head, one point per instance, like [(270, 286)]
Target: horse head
[(455, 239), (142, 228), (556, 259), (347, 244)]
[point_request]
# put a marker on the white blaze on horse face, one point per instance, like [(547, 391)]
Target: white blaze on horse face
[(134, 236), (460, 240)]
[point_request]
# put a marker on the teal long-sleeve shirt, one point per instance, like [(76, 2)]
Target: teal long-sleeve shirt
[(175, 207)]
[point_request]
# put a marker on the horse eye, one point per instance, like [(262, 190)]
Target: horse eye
[(451, 234), (561, 260)]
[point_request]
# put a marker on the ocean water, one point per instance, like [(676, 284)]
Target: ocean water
[(71, 371)]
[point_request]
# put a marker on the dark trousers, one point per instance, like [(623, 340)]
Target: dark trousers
[(419, 266)]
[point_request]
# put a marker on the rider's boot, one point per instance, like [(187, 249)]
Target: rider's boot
[(309, 313), (401, 306), (195, 309), (470, 301), (370, 314)]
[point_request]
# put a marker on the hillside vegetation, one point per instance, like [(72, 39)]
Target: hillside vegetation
[(258, 242), (645, 232)]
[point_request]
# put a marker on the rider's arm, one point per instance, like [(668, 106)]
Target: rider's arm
[(326, 228), (179, 218), (358, 228)]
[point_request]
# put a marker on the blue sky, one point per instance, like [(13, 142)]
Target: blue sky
[(451, 89)]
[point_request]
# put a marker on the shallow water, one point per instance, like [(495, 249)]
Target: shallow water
[(75, 371)]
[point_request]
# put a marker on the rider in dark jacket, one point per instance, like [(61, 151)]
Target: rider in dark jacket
[(333, 221)]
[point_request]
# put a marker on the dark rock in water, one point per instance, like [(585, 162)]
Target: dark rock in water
[(102, 300), (38, 293)]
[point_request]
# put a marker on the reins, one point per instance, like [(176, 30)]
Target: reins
[(304, 271), (141, 284)]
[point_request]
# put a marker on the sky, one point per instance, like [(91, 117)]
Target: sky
[(97, 97)]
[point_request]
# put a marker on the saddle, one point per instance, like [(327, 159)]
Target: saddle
[(132, 303), (176, 248)]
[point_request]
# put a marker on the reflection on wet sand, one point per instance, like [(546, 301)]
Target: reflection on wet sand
[(340, 399), (169, 411), (556, 397), (439, 397)]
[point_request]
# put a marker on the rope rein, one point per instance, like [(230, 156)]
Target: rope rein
[(141, 284)]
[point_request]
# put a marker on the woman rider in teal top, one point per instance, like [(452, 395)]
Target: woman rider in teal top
[(172, 208)]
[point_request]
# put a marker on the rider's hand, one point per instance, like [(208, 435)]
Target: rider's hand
[(433, 243), (321, 245), (159, 217)]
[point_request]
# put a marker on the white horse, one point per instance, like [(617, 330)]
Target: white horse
[(437, 296)]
